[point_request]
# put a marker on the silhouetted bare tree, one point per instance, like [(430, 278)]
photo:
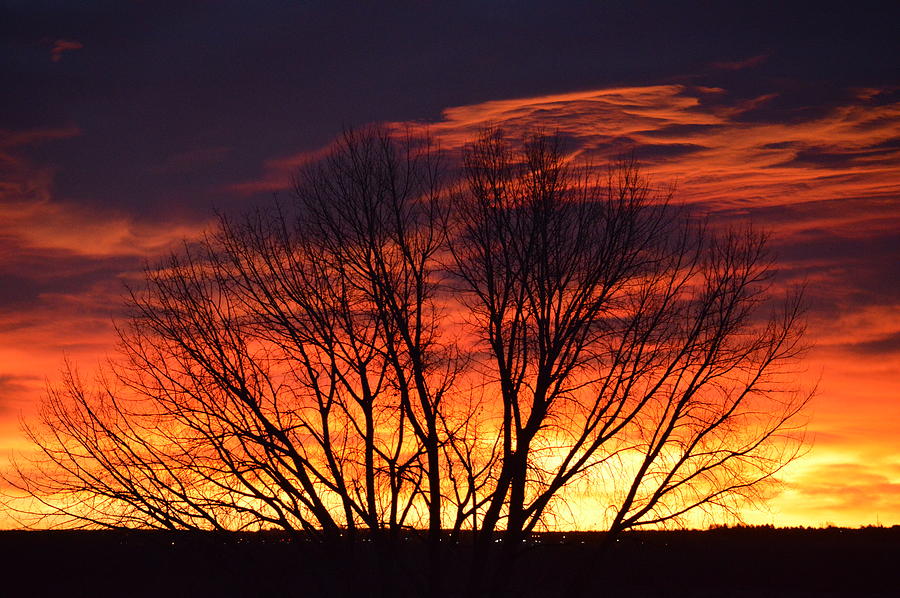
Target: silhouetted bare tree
[(624, 343), (388, 351)]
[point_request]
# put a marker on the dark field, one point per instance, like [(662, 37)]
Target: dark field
[(746, 562)]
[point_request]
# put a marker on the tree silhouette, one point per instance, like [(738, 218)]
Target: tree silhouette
[(398, 349), (624, 343)]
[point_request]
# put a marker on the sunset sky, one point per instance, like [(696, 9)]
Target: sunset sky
[(124, 125)]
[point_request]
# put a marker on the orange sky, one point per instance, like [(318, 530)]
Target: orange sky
[(825, 184)]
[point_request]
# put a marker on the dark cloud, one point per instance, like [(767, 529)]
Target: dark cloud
[(666, 151), (669, 131), (824, 244), (881, 346), (22, 286), (736, 65), (829, 157), (890, 144), (13, 384), (15, 390), (845, 274)]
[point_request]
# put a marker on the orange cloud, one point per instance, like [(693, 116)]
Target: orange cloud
[(69, 227), (841, 493), (277, 172)]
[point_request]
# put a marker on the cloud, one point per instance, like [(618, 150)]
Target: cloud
[(32, 217), (62, 266), (61, 46), (738, 65), (843, 489), (825, 185), (16, 389), (13, 139), (889, 343), (852, 487), (70, 227), (11, 384), (698, 136), (31, 276), (278, 172)]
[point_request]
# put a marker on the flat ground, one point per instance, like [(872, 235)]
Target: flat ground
[(741, 562)]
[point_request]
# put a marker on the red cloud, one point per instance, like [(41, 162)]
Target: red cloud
[(63, 45)]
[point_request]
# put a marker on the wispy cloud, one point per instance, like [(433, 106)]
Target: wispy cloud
[(61, 46), (277, 172), (62, 266), (835, 490), (33, 217), (738, 65)]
